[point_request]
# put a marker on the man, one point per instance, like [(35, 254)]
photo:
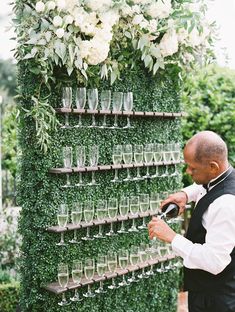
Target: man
[(208, 250)]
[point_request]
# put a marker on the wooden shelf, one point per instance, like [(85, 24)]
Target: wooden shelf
[(110, 167), (83, 224), (119, 113), (56, 289)]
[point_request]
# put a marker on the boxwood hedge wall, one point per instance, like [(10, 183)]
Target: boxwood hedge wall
[(40, 193)]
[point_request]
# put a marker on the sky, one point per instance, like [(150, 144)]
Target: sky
[(222, 11)]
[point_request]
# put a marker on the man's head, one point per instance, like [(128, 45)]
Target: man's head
[(206, 156)]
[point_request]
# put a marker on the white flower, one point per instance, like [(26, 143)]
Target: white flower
[(169, 44), (99, 5), (110, 17), (40, 6), (137, 19), (98, 52), (152, 26), (61, 4), (126, 10), (60, 32), (57, 21), (182, 34), (68, 19), (50, 5), (142, 2), (85, 47), (160, 9)]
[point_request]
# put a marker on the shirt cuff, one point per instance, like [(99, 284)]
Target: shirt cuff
[(181, 245)]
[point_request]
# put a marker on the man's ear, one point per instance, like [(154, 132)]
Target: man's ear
[(214, 166)]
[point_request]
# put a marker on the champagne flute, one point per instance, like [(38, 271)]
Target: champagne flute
[(67, 103), (167, 152), (101, 213), (62, 218), (123, 210), (89, 270), (148, 158), (105, 99), (143, 258), (144, 206), (112, 213), (123, 263), (92, 98), (81, 159), (154, 202), (157, 156), (134, 259), (127, 158), (112, 266), (117, 106), (117, 159), (68, 160), (138, 158), (77, 271), (101, 268), (63, 278), (134, 209), (175, 156), (88, 217), (93, 157), (128, 106), (76, 216), (80, 98)]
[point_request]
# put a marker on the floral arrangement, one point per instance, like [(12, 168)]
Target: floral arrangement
[(99, 39)]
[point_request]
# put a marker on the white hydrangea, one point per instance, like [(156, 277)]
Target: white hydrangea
[(152, 26), (159, 9), (40, 7), (169, 44), (100, 5), (60, 32), (68, 19), (137, 19), (182, 35), (61, 4), (142, 2), (126, 10), (50, 5), (98, 52), (110, 17), (57, 21)]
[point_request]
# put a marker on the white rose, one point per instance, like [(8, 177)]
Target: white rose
[(61, 4), (169, 44), (50, 5), (68, 19), (59, 32), (40, 6), (57, 21)]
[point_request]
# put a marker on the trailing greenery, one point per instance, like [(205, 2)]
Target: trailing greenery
[(9, 297), (209, 99), (40, 194)]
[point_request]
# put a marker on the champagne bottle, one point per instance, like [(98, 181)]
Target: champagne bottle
[(170, 210)]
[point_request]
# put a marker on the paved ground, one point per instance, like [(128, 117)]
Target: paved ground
[(182, 302)]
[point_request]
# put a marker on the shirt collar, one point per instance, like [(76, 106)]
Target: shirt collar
[(218, 179)]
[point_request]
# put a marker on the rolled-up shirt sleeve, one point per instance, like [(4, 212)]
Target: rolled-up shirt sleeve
[(214, 255)]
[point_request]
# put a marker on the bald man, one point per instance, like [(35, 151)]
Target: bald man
[(208, 250)]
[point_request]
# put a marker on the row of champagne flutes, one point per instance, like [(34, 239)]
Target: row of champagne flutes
[(147, 154), (108, 210), (91, 96), (109, 263)]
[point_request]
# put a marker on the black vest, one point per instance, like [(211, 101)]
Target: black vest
[(200, 280)]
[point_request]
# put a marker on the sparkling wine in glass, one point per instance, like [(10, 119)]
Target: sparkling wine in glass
[(76, 216), (105, 100), (117, 160), (101, 214), (134, 259), (134, 210), (154, 202), (63, 278), (127, 158), (112, 266), (123, 258), (77, 272), (80, 98), (89, 270), (92, 98), (144, 206), (128, 106), (81, 159), (67, 160), (117, 106), (123, 210), (67, 103), (112, 213), (62, 218), (175, 156), (88, 217), (148, 158), (167, 154), (101, 267), (93, 158), (138, 159), (157, 156), (143, 258)]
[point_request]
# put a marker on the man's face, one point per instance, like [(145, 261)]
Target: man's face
[(199, 171)]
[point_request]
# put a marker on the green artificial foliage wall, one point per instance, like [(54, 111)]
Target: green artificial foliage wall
[(40, 194), (9, 297)]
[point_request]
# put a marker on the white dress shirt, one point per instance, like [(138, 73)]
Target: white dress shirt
[(219, 221)]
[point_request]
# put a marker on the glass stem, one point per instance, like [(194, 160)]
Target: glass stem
[(67, 179), (80, 120), (80, 178), (93, 121), (128, 122), (115, 121), (104, 121), (67, 120), (75, 235), (62, 238), (93, 177), (100, 230)]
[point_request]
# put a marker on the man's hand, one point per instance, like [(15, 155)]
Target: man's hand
[(179, 198), (160, 229)]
